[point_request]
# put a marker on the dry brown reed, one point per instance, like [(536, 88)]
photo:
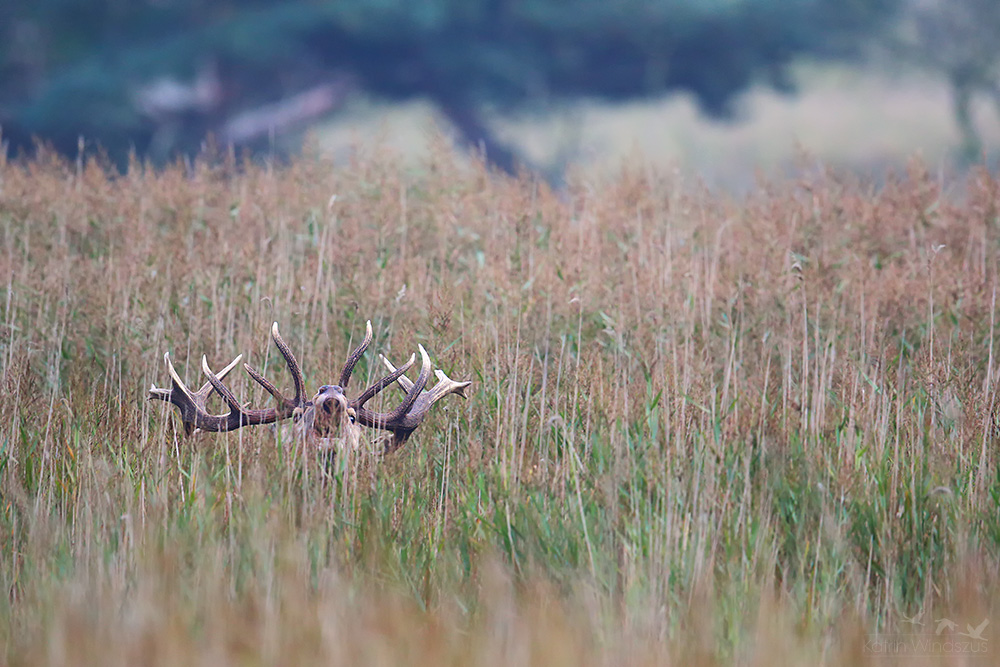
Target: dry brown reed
[(703, 429)]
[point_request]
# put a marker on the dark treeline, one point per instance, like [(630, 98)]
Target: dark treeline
[(158, 76)]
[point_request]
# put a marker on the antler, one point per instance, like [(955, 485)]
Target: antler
[(328, 413), (418, 401), (354, 357), (192, 404), (352, 361)]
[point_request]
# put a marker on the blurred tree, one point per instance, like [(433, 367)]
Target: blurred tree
[(158, 75), (958, 40)]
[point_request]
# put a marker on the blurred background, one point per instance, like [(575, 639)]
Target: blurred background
[(718, 88)]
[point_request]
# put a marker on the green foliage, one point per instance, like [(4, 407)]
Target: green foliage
[(93, 60)]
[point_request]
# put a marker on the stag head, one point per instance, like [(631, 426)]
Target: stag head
[(329, 416)]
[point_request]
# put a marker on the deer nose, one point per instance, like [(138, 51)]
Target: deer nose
[(328, 396)]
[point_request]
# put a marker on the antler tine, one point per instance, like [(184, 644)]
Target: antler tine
[(418, 386), (404, 382), (394, 375), (187, 401), (352, 360), (286, 406), (223, 390), (398, 420), (192, 405), (421, 406), (204, 392), (237, 416), (445, 385)]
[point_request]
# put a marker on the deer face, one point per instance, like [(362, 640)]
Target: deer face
[(333, 412), (333, 417)]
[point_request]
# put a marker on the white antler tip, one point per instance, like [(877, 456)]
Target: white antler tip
[(368, 328), (274, 329), (173, 373), (204, 365), (232, 364)]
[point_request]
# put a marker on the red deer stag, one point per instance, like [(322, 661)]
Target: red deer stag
[(326, 418)]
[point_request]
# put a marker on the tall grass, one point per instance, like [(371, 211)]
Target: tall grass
[(702, 429)]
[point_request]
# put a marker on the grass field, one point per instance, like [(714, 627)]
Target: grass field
[(702, 429)]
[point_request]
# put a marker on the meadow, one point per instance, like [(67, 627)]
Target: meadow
[(703, 428)]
